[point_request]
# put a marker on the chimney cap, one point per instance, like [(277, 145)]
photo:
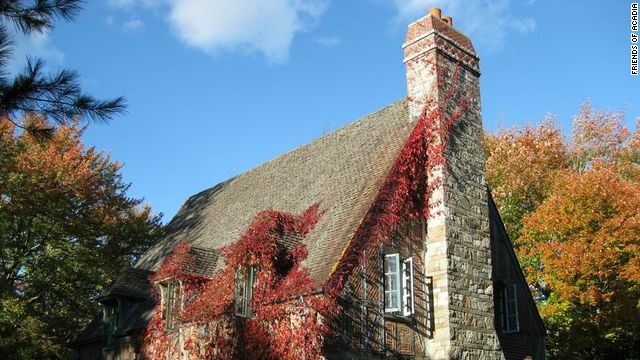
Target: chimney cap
[(434, 11), (448, 20)]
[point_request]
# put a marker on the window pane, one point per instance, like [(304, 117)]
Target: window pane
[(391, 264), (392, 282), (509, 308), (510, 293), (391, 300), (169, 305), (513, 323), (243, 290), (394, 299)]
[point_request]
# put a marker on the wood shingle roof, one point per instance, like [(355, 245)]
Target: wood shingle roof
[(342, 171)]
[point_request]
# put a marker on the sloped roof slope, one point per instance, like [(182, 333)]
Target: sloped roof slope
[(140, 316), (132, 283), (204, 261), (342, 171)]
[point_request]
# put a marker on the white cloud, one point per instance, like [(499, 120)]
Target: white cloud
[(487, 22), (328, 41), (244, 26), (36, 45), (133, 25), (247, 26)]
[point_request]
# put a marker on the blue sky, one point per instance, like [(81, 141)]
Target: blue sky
[(216, 87)]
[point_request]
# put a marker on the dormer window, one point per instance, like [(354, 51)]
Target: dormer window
[(243, 290), (398, 285), (111, 314)]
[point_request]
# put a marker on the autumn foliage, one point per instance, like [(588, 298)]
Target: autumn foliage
[(292, 312), (572, 210), (287, 305), (67, 228), (407, 191)]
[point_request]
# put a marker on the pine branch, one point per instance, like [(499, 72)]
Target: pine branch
[(40, 15), (58, 97), (5, 49)]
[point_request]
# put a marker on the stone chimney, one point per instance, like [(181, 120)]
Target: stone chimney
[(458, 255)]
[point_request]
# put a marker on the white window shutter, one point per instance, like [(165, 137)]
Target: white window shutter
[(408, 306)]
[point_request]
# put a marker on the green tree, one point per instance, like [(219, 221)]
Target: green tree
[(58, 96), (67, 228), (573, 210)]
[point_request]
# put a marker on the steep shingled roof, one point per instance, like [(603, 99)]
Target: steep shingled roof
[(132, 283), (139, 318), (343, 171), (204, 261)]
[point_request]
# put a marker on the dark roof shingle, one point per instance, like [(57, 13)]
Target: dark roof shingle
[(342, 171), (132, 282), (204, 261)]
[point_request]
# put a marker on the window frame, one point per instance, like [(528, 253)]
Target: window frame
[(243, 290), (171, 294), (405, 280), (111, 315), (168, 305), (392, 275), (509, 308)]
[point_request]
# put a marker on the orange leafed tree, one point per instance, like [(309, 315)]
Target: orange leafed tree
[(572, 208), (67, 227), (521, 164)]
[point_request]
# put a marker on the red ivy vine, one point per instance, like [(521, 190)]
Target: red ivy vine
[(288, 306), (407, 191), (293, 312)]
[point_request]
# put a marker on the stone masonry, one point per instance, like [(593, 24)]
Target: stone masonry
[(458, 253)]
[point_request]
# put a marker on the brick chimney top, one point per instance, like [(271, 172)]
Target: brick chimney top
[(431, 45), (434, 22), (434, 11), (437, 13)]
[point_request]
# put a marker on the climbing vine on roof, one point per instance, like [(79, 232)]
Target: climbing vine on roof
[(407, 191), (292, 312), (288, 309)]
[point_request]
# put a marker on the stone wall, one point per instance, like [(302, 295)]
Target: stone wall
[(442, 71)]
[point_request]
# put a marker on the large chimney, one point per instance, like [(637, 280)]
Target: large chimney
[(458, 255)]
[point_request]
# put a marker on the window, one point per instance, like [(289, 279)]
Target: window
[(171, 292), (391, 283), (243, 290), (110, 322), (509, 308), (398, 285)]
